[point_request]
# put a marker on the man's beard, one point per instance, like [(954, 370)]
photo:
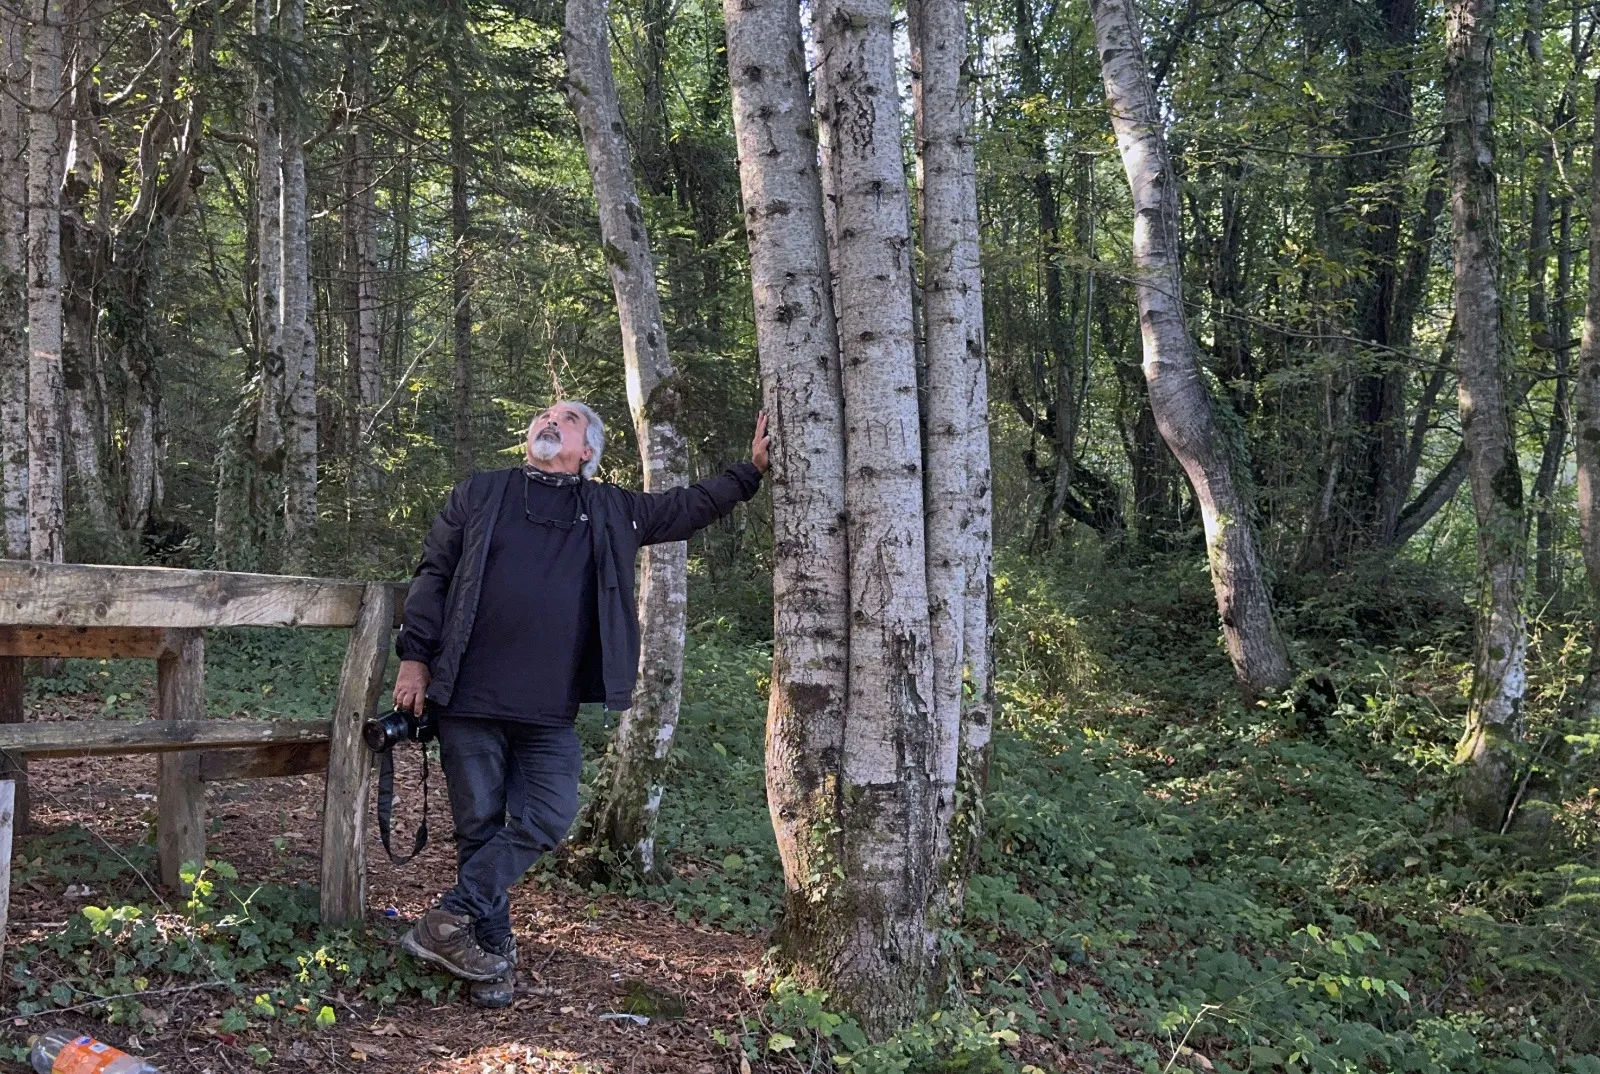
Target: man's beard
[(545, 448)]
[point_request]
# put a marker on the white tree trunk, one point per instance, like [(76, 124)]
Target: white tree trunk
[(797, 338), (977, 717), (13, 284), (361, 259), (956, 428), (887, 812), (1494, 714), (1178, 395), (937, 49), (299, 335), (46, 522), (622, 815)]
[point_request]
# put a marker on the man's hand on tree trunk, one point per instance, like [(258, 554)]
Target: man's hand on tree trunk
[(758, 446), (411, 686)]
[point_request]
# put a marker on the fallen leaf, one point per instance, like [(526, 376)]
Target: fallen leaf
[(358, 1055)]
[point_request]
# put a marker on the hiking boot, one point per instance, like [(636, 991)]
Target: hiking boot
[(447, 940), (503, 989)]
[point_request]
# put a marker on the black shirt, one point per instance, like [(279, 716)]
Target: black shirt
[(536, 635)]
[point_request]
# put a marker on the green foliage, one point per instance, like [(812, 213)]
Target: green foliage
[(1275, 888), (261, 945)]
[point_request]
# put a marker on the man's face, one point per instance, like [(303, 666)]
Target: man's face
[(555, 440)]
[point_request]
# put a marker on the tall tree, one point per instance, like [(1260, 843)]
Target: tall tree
[(46, 398), (271, 363), (1494, 716), (798, 343), (13, 283), (363, 341), (1586, 400), (883, 962), (622, 816), (299, 421), (955, 448), (460, 249), (1178, 397)]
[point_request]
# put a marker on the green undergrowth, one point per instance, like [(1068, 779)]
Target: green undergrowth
[(1171, 880), (253, 955), (1175, 880)]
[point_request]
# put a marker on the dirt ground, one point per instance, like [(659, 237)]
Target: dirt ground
[(580, 956)]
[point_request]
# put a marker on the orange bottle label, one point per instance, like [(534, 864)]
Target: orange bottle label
[(85, 1056)]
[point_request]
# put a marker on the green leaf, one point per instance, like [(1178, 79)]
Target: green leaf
[(326, 1017), (780, 1042)]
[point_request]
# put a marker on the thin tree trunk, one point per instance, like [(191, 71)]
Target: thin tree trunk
[(957, 436), (269, 440), (883, 954), (622, 816), (797, 338), (364, 341), (299, 329), (461, 278), (1178, 397), (1547, 521), (13, 284), (1587, 440), (1494, 716), (46, 401), (82, 265), (956, 483), (1058, 333)]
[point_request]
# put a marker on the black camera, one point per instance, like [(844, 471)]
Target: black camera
[(396, 726)]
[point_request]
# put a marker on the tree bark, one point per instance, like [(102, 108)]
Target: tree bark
[(882, 965), (461, 273), (1178, 398), (269, 441), (1487, 750), (87, 429), (13, 284), (797, 339), (46, 399), (955, 449), (363, 338), (299, 398), (622, 816), (1587, 439)]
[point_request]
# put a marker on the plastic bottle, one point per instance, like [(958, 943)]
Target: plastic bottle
[(62, 1052)]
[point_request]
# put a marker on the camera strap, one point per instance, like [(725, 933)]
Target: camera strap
[(386, 805)]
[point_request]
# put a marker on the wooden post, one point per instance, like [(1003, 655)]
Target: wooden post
[(344, 803), (14, 767), (181, 797), (7, 815)]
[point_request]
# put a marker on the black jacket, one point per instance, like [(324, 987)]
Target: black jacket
[(443, 599)]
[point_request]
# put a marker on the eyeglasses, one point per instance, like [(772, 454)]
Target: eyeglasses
[(540, 519)]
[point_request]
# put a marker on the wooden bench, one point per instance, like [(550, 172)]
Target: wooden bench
[(73, 610)]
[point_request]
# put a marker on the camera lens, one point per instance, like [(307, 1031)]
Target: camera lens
[(381, 734)]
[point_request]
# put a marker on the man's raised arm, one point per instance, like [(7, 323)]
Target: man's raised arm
[(676, 514)]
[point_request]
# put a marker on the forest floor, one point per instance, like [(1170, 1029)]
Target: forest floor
[(583, 957), (1169, 879)]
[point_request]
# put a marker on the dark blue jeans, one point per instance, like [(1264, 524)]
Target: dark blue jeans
[(513, 793)]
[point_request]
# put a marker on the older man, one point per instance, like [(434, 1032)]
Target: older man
[(521, 609)]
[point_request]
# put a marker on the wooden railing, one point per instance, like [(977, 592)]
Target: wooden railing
[(72, 610)]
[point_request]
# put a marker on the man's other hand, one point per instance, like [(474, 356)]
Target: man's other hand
[(411, 685), (758, 446)]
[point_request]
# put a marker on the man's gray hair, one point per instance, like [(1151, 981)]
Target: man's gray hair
[(594, 435)]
